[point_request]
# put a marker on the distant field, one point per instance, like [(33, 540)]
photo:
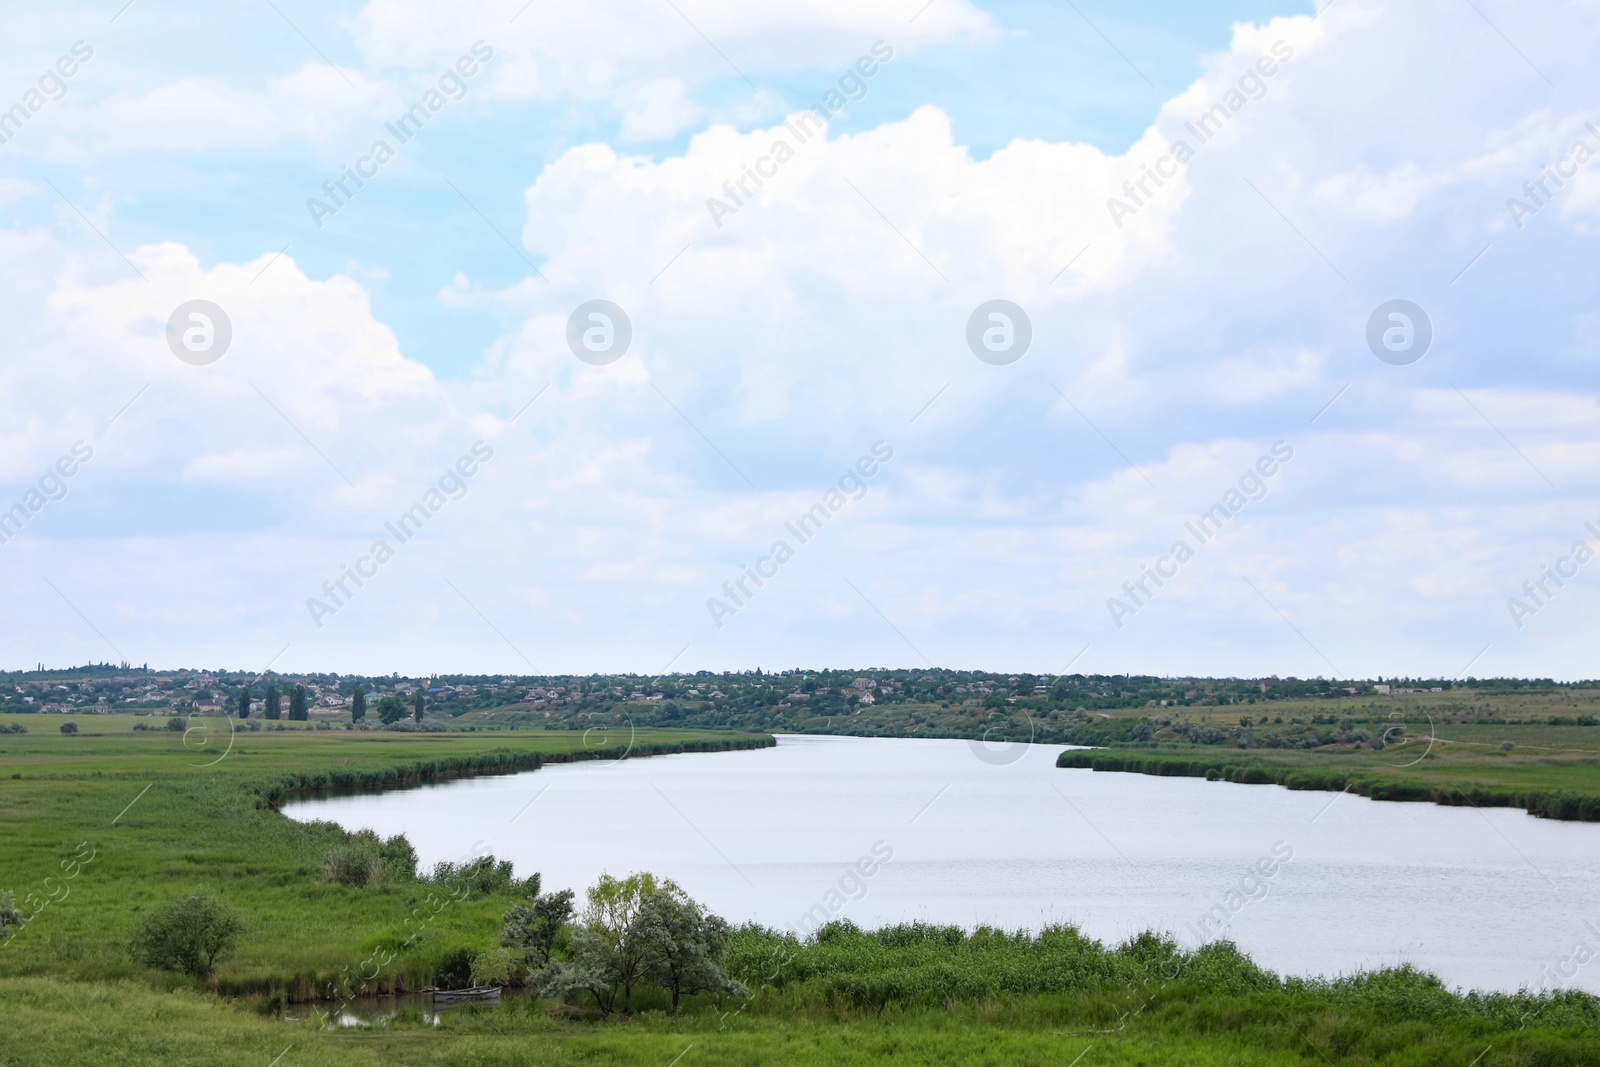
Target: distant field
[(1449, 748)]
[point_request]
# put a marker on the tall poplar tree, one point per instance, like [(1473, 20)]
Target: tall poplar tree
[(274, 703)]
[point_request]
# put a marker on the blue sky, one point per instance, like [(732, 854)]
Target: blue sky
[(1170, 351)]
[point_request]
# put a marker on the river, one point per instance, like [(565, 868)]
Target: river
[(1307, 883)]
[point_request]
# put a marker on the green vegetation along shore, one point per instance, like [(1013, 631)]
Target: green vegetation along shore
[(103, 829)]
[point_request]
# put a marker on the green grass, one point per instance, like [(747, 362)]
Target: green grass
[(70, 995), (192, 825), (49, 1023), (1546, 775)]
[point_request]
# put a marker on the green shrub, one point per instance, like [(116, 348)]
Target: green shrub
[(492, 966), (9, 914), (484, 877), (455, 972), (365, 859), (69, 727), (191, 934)]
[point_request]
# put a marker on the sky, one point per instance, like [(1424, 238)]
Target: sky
[(1046, 286)]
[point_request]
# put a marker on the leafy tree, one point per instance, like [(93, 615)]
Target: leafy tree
[(69, 727), (420, 704), (177, 722), (391, 709), (244, 703), (594, 969), (358, 705), (274, 703), (531, 928), (683, 948), (613, 905), (298, 710), (191, 933), (635, 929)]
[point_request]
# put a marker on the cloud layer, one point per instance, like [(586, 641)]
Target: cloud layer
[(1194, 300)]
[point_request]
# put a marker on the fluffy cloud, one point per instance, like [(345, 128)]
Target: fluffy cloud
[(1176, 338)]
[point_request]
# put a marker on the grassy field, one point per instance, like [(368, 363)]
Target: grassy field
[(1483, 749), (103, 824), (163, 813)]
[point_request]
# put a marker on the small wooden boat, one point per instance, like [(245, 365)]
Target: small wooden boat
[(475, 994)]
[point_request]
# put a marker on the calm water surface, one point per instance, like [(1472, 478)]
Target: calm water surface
[(1487, 899)]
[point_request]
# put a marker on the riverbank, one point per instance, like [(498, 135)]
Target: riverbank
[(160, 813), (1550, 787)]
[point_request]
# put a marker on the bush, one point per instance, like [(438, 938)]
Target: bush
[(9, 914), (491, 967), (14, 728), (69, 727), (365, 859), (352, 863), (456, 970), (177, 722), (408, 727), (484, 877), (191, 934)]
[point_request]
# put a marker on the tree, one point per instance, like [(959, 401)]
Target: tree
[(297, 704), (274, 703), (682, 947), (531, 928), (613, 905), (69, 727), (191, 933), (244, 703), (420, 701), (391, 709), (358, 705), (593, 970)]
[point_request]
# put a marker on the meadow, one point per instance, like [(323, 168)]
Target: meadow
[(1522, 750), (100, 826)]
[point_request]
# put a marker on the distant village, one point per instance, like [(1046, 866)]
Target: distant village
[(106, 688)]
